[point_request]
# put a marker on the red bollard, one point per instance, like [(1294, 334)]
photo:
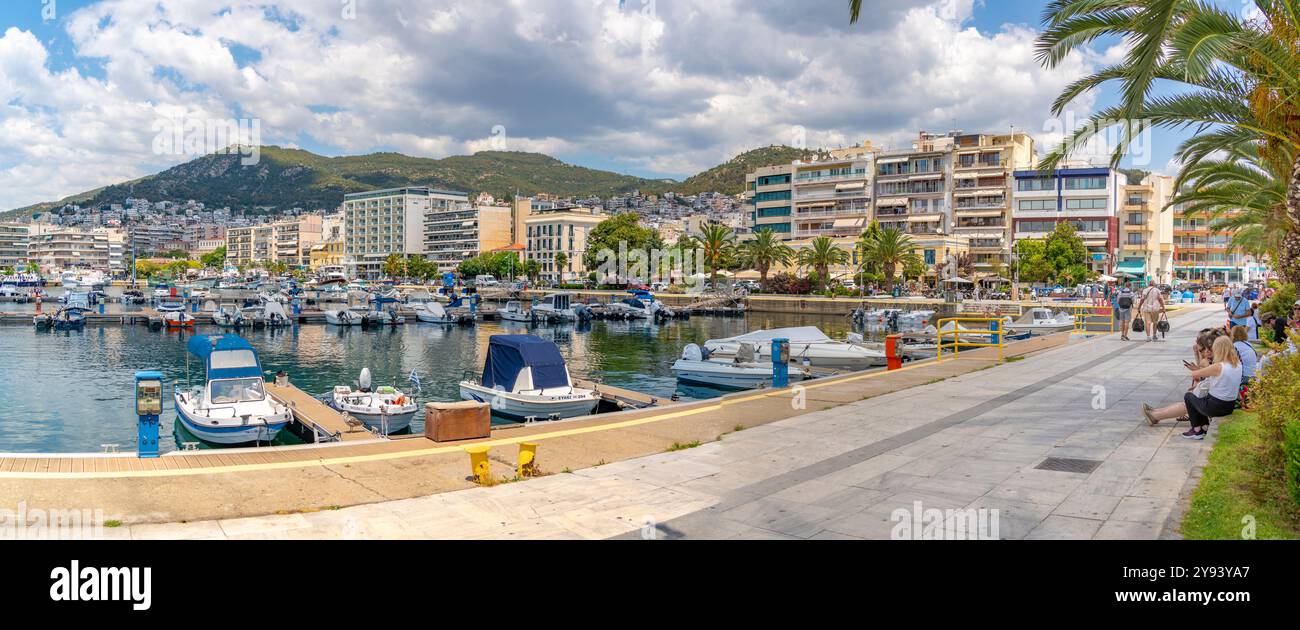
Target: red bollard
[(893, 360)]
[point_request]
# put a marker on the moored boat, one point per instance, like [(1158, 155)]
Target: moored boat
[(232, 407), (807, 343), (743, 371), (384, 409), (526, 377)]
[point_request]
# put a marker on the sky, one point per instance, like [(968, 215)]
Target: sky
[(95, 92)]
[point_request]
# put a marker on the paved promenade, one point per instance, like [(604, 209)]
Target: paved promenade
[(973, 441)]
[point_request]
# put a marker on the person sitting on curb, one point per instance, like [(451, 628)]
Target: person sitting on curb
[(1216, 397)]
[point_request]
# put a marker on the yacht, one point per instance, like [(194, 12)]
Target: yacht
[(232, 407), (526, 377)]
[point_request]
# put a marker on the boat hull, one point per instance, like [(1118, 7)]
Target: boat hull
[(722, 376), (394, 423), (230, 434), (521, 407)]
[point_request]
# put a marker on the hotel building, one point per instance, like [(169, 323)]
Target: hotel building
[(1088, 198), (1203, 255), (560, 230), (378, 223), (461, 231)]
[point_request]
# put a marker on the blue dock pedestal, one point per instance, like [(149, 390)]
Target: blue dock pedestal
[(101, 308), (148, 406), (780, 363), (297, 307), (996, 335)]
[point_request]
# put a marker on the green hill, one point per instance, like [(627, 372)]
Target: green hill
[(287, 178)]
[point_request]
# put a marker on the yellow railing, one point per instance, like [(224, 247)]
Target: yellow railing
[(994, 334), (1093, 320)]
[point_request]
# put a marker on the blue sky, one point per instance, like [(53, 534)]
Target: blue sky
[(657, 88)]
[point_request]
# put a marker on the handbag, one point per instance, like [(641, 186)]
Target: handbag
[(1139, 325), (1163, 324)]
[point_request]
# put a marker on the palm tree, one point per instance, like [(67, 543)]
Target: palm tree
[(1242, 194), (1234, 80), (822, 254), (889, 250), (765, 251), (717, 242)]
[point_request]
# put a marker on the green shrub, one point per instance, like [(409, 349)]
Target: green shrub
[(1276, 395), (1291, 453), (1281, 303)]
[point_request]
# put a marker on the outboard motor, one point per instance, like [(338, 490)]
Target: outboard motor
[(363, 381), (692, 352)]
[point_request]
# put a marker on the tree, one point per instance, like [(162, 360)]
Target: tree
[(177, 254), (1066, 254), (822, 254), (765, 251), (561, 264), (888, 250), (394, 266), (1235, 79), (215, 258), (532, 269), (619, 230), (716, 241)]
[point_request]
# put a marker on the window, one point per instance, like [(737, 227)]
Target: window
[(1084, 183), (1085, 204), (780, 195), (774, 212), (1036, 183), (929, 257), (1038, 205), (236, 391)]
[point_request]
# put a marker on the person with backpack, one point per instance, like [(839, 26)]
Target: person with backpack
[(1122, 303), (1152, 307), (1238, 308)]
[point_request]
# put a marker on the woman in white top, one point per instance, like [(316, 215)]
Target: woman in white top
[(1151, 307), (1216, 398)]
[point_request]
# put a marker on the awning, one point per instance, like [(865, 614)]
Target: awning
[(1137, 268), (817, 204), (851, 186), (924, 218), (851, 223), (894, 160), (892, 201), (981, 192), (965, 212), (927, 176)]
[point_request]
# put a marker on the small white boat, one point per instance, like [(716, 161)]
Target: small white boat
[(629, 308), (386, 409), (436, 313), (807, 343), (526, 377), (744, 371), (232, 407), (557, 307), (380, 316), (345, 317), (173, 313), (514, 311), (228, 317), (1042, 321)]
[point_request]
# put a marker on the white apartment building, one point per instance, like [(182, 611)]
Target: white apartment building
[(62, 249), (832, 197), (549, 233), (1146, 240), (287, 242), (13, 245), (378, 223)]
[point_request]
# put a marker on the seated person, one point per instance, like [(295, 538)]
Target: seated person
[(1217, 399)]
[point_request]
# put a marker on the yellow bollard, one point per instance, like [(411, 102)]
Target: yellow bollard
[(478, 463), (527, 459)]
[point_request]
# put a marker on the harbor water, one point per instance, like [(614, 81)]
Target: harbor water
[(73, 391)]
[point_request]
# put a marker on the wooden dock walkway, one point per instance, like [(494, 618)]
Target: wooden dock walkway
[(316, 415), (624, 398)]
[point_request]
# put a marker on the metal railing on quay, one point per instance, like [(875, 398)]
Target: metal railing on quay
[(993, 336)]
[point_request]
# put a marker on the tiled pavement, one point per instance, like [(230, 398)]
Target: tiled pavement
[(969, 442)]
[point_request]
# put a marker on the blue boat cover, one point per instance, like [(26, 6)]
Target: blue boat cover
[(509, 354), (226, 356)]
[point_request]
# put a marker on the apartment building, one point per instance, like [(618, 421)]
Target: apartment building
[(832, 197), (769, 194), (378, 223), (914, 187), (565, 230), (287, 242), (462, 231), (1203, 255), (982, 168), (1146, 248), (13, 245), (1088, 198), (329, 253), (68, 248), (156, 238)]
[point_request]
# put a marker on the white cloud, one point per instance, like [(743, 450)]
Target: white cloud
[(663, 86)]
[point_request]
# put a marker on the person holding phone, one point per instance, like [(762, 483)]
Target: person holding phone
[(1215, 399)]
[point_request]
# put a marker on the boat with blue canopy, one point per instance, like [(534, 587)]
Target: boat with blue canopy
[(526, 377), (232, 407)]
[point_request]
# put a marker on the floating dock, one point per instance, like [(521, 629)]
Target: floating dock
[(327, 424)]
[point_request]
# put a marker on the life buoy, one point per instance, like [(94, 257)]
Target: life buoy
[(399, 401)]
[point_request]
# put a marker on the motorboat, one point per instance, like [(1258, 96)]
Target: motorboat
[(526, 377), (275, 315), (557, 307), (24, 280), (228, 317), (232, 407), (384, 409), (656, 309), (514, 311), (964, 335), (743, 371), (628, 308), (345, 317), (436, 313), (1042, 321), (10, 290), (131, 296), (255, 315), (807, 344), (379, 316), (173, 313), (66, 318), (894, 319)]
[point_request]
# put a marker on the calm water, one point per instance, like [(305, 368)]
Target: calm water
[(72, 391)]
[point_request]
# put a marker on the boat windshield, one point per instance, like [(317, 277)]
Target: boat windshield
[(236, 391)]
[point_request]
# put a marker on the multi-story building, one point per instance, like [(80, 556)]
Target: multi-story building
[(62, 249), (462, 231), (913, 187), (13, 245), (562, 230), (327, 254), (832, 197), (287, 242), (1146, 248), (982, 165), (155, 238), (390, 221), (769, 198), (1088, 198), (1202, 254)]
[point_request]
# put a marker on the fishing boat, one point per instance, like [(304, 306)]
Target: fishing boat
[(526, 377), (436, 313), (232, 407), (228, 317), (743, 371), (807, 343), (514, 311), (1042, 321), (345, 317), (385, 409)]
